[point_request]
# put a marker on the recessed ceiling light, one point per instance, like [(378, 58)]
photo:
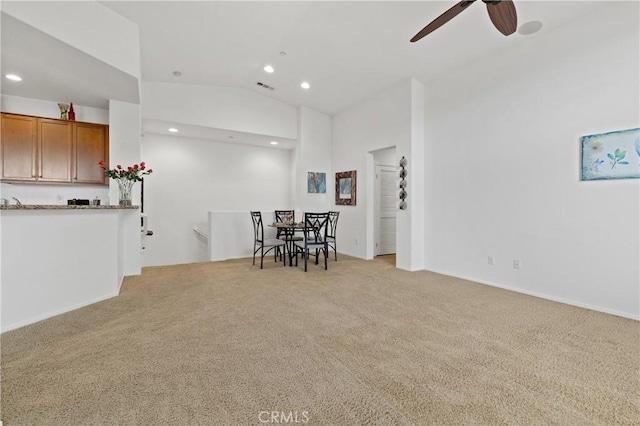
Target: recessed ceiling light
[(305, 85), (177, 73), (530, 27), (231, 137), (283, 53), (13, 77), (273, 143), (269, 69), (173, 130)]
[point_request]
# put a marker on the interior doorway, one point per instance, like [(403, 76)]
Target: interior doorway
[(385, 201), (387, 258), (385, 217)]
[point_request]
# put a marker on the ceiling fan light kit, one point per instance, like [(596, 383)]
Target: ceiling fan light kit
[(501, 12), (529, 28)]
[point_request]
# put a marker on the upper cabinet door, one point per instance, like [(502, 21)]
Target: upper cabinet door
[(55, 147), (18, 147), (90, 142)]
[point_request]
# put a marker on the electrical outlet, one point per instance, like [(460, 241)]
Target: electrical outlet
[(516, 263), (490, 260), (59, 198), (356, 241)]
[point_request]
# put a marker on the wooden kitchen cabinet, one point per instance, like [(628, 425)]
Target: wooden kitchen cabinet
[(18, 147), (90, 145), (45, 150), (54, 151)]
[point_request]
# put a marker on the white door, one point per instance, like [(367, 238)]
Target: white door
[(386, 204)]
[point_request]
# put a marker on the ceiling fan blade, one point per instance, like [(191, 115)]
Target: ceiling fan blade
[(503, 15), (442, 19)]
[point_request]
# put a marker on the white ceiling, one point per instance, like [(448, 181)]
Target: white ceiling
[(54, 71), (221, 135), (346, 50)]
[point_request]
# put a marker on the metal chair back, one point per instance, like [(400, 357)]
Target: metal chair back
[(316, 228), (259, 243), (333, 224), (283, 216), (258, 227)]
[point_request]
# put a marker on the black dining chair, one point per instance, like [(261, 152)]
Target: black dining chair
[(288, 235), (315, 238), (331, 232), (260, 244)]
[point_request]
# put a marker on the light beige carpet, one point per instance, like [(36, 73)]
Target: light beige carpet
[(359, 344)]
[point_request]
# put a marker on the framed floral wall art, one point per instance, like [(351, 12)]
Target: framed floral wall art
[(316, 182), (612, 155), (346, 188)]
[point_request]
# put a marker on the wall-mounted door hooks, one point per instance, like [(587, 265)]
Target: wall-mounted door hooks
[(403, 183)]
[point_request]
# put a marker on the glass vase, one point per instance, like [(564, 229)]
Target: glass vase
[(125, 186)]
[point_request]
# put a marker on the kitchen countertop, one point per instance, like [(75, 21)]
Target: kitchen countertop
[(65, 207)]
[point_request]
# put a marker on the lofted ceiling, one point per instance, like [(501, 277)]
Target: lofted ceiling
[(346, 50)]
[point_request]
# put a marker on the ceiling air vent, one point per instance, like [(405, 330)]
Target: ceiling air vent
[(266, 86)]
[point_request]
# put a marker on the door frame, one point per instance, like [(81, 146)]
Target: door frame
[(370, 205), (377, 211)]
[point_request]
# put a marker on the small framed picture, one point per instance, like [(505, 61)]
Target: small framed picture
[(612, 155), (346, 188), (316, 182)]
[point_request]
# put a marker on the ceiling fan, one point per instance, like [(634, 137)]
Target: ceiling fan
[(502, 14)]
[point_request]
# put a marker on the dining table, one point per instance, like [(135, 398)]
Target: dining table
[(289, 230)]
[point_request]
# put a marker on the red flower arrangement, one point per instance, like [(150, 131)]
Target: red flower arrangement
[(133, 173)]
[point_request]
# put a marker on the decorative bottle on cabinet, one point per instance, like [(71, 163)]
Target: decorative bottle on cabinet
[(72, 113)]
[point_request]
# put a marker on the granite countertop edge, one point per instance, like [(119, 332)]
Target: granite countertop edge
[(65, 207)]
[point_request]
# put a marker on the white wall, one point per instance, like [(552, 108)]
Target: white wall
[(52, 194), (386, 157), (124, 149), (410, 243), (192, 177), (381, 121), (124, 142), (227, 108), (48, 109), (232, 234), (503, 161), (313, 154)]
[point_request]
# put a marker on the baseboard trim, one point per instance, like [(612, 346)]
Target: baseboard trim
[(56, 312), (541, 295)]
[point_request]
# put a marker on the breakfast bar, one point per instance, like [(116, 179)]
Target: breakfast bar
[(82, 254)]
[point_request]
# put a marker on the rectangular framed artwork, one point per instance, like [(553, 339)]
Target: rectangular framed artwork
[(612, 155), (316, 182), (346, 188)]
